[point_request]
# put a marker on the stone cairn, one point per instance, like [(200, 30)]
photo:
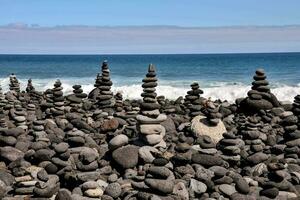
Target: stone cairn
[(96, 91), (254, 142), (211, 111), (58, 100), (260, 96), (296, 108), (105, 98), (231, 146), (14, 83), (150, 118), (76, 99), (30, 88), (291, 136), (193, 101), (119, 102), (31, 115), (3, 101), (19, 116), (2, 119)]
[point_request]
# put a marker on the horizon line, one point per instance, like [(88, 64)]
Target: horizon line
[(132, 54), (37, 26)]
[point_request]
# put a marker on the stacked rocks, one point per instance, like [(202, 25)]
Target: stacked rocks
[(76, 98), (58, 99), (19, 116), (105, 98), (2, 119), (254, 140), (96, 91), (30, 88), (39, 130), (291, 136), (31, 115), (150, 118), (119, 102), (193, 101), (231, 146), (61, 157), (14, 83), (48, 97), (296, 108), (47, 185), (160, 180), (211, 111), (260, 96), (24, 182), (3, 101)]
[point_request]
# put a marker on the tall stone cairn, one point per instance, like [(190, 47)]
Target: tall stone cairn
[(192, 100), (14, 84), (149, 119), (58, 99), (105, 98)]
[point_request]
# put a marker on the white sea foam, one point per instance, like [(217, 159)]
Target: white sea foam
[(171, 90)]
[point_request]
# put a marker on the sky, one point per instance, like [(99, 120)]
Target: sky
[(156, 26)]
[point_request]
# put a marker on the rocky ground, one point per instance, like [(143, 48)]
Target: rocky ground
[(100, 146)]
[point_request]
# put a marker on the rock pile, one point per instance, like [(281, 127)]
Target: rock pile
[(260, 96), (105, 98), (58, 100), (212, 113), (30, 88), (19, 116), (193, 100), (14, 84), (119, 102), (296, 108), (150, 118), (2, 119), (76, 99)]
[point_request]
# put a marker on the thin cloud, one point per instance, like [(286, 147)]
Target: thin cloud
[(33, 39)]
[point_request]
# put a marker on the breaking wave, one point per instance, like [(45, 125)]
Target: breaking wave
[(170, 89)]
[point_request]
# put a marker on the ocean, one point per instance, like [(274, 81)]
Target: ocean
[(221, 76)]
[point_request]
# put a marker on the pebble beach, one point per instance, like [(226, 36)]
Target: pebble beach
[(100, 145)]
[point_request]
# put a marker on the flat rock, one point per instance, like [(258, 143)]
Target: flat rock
[(118, 141), (159, 185), (200, 126)]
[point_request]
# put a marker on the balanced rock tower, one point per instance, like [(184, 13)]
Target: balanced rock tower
[(76, 98), (58, 99), (211, 111), (296, 108), (149, 119), (96, 91), (105, 98), (30, 88), (14, 84), (3, 101), (260, 96), (193, 101)]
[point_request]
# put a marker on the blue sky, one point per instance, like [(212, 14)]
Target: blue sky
[(154, 12), (125, 27)]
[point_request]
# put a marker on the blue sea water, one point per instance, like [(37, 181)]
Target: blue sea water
[(225, 76)]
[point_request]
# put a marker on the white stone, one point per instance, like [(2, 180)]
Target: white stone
[(153, 139), (94, 193), (148, 129), (148, 120), (200, 126), (118, 141), (145, 153)]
